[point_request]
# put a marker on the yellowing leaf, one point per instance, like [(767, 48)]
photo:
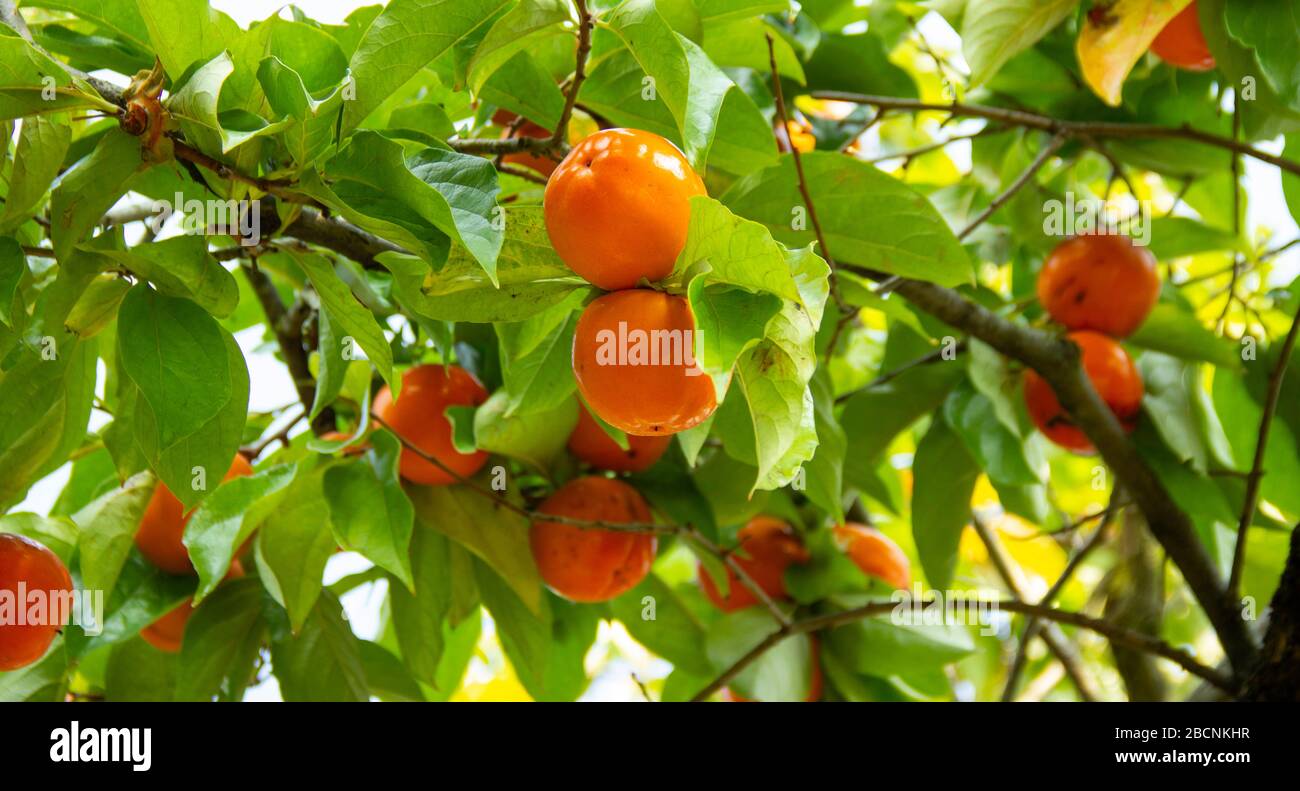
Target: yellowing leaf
[(1114, 37)]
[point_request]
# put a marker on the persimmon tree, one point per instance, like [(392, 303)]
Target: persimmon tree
[(987, 322)]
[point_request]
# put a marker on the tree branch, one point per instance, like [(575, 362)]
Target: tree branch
[(1256, 477), (286, 325), (1046, 153), (1105, 129), (1116, 635), (585, 25), (1055, 640), (1057, 360)]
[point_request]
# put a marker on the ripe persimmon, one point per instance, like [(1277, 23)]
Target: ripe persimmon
[(1182, 42), (814, 680), (163, 525), (44, 604), (634, 359), (590, 443), (617, 208), (167, 633), (536, 162), (417, 416), (768, 546), (874, 553), (798, 132), (1099, 282), (1113, 375), (590, 564)]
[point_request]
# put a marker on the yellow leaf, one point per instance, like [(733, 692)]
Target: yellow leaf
[(1115, 36)]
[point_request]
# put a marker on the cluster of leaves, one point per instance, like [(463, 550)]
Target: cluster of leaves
[(363, 126)]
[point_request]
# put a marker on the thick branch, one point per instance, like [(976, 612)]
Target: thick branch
[(1277, 678), (287, 327), (1057, 360)]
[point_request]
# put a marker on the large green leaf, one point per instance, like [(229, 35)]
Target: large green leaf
[(322, 662), (994, 31), (347, 315), (222, 639), (402, 39), (42, 144), (184, 32), (944, 475), (497, 535), (870, 218), (370, 512), (107, 529), (294, 542)]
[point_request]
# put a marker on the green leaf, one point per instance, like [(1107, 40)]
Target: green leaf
[(57, 535), (370, 512), (90, 187), (1241, 415), (857, 63), (945, 476), (532, 277), (1270, 31), (656, 616), (420, 201), (1174, 237), (536, 358), (617, 89), (1169, 385), (877, 647), (222, 638), (869, 217), (495, 534), (194, 105), (294, 542), (515, 31), (181, 267), (13, 265), (42, 145), (419, 613), (107, 531), (323, 661), (386, 678), (402, 39), (537, 438), (347, 315), (32, 83), (996, 449), (209, 448), (994, 31), (184, 32), (525, 632), (1172, 330), (782, 673), (63, 386), (219, 526), (139, 672), (825, 471), (172, 350)]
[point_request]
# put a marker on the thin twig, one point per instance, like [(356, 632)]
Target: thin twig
[(1046, 153), (1117, 635), (1256, 477), (1055, 640), (579, 74), (1105, 129)]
